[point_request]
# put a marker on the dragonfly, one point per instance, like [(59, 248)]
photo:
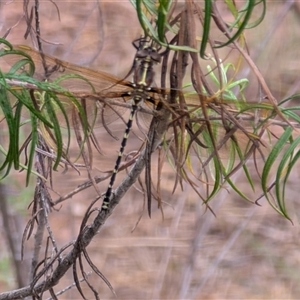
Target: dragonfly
[(146, 57), (103, 86), (102, 91)]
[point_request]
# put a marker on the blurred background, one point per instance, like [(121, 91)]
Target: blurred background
[(244, 252)]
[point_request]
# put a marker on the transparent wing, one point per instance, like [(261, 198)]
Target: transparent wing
[(102, 95)]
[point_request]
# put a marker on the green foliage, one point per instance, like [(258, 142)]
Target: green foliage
[(160, 12), (40, 102), (48, 103)]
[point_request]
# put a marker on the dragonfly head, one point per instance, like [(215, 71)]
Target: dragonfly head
[(150, 52)]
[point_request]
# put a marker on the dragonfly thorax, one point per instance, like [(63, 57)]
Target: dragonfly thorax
[(143, 75)]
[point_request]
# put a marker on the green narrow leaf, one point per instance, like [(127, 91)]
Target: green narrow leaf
[(217, 177), (6, 108), (7, 43), (34, 141), (289, 169), (162, 18), (238, 191), (17, 125), (19, 65), (217, 165), (25, 99), (289, 113), (140, 15), (261, 17), (66, 118), (235, 148), (25, 59), (242, 26), (280, 171), (4, 152), (271, 160), (249, 177), (87, 125), (282, 102), (206, 27), (246, 171), (213, 76), (232, 155), (231, 7), (49, 97)]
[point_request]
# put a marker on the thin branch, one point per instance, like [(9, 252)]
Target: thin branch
[(157, 129)]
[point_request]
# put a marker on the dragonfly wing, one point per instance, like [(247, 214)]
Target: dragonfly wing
[(103, 96)]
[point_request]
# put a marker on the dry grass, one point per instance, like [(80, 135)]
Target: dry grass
[(246, 252)]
